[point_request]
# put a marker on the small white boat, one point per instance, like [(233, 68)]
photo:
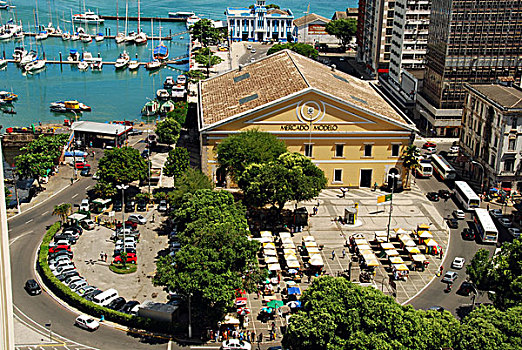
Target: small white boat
[(35, 66), (140, 39), (169, 82), (75, 37), (178, 92), (42, 35), (66, 36), (74, 55), (3, 63), (166, 108), (153, 65), (6, 35), (130, 37), (182, 79), (19, 34), (97, 64), (82, 65), (150, 108), (19, 53), (85, 38), (99, 37), (162, 94), (134, 65), (88, 17), (119, 38), (50, 29), (123, 60), (29, 57)]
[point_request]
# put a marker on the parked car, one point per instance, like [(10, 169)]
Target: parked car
[(459, 214), (137, 218), (466, 288), (505, 222), (458, 263), (80, 164), (58, 259), (86, 171), (87, 224), (468, 234), (118, 251), (61, 269), (145, 153), (72, 279), (235, 344), (32, 287), (63, 241), (60, 253), (450, 277), (63, 262), (162, 206), (95, 176), (131, 259), (431, 150), (74, 229), (84, 206), (78, 284), (496, 213), (130, 206), (87, 322), (444, 194), (91, 294), (63, 276), (433, 196), (436, 308), (515, 232), (117, 303), (85, 290), (58, 248), (453, 223), (128, 245), (117, 206), (71, 238), (428, 144), (142, 205), (131, 304), (454, 149)]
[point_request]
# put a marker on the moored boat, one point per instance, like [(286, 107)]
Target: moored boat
[(97, 64), (153, 65), (85, 38), (19, 53), (161, 52), (167, 107), (82, 65), (66, 36), (42, 35), (35, 65), (3, 63), (133, 65), (169, 82), (74, 55), (8, 96), (181, 79), (99, 37), (28, 57), (162, 94), (140, 39), (87, 17), (178, 92), (122, 61), (150, 108), (119, 38)]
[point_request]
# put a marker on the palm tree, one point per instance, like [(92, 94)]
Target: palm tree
[(410, 161), (63, 210)]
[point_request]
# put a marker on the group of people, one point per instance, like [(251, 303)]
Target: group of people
[(225, 334)]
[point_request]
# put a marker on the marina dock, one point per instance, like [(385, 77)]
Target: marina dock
[(174, 60), (145, 19), (165, 38)]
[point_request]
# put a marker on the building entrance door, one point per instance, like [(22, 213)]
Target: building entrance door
[(366, 178)]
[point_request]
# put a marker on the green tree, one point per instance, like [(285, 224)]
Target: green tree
[(103, 189), (207, 58), (292, 176), (33, 165), (63, 211), (343, 29), (505, 275), (269, 6), (122, 166), (168, 131), (478, 269), (177, 162), (205, 33), (189, 182), (179, 113), (410, 161), (238, 151), (8, 196), (196, 75), (300, 48)]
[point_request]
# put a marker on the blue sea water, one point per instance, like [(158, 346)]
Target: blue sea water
[(112, 95)]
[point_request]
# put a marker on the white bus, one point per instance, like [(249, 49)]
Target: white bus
[(487, 230), (442, 168), (466, 196), (424, 170)]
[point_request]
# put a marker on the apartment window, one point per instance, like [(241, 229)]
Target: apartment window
[(308, 150), (368, 150), (493, 159), (509, 165), (514, 122), (339, 150), (395, 150), (512, 144), (338, 175)]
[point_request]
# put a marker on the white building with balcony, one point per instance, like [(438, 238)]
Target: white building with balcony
[(260, 24), (492, 133)]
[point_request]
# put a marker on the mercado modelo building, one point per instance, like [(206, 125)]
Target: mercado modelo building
[(342, 123)]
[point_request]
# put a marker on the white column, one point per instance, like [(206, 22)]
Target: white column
[(6, 294)]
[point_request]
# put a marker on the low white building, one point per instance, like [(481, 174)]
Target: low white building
[(311, 29), (260, 24), (491, 129)]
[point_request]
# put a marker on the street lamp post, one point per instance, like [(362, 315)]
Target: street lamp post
[(122, 187), (483, 174), (394, 182)]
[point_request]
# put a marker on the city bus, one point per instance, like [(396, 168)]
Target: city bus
[(466, 196), (424, 170), (442, 168), (486, 228)]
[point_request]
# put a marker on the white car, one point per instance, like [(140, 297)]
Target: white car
[(496, 213), (138, 218), (95, 176), (87, 322), (235, 344), (459, 214), (87, 224), (84, 206), (515, 232), (431, 150), (59, 263), (128, 240), (78, 284), (454, 149), (253, 51), (505, 222), (249, 47), (458, 263)]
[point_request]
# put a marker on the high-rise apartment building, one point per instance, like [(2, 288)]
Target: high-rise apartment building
[(469, 41)]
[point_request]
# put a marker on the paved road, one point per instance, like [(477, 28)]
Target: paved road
[(25, 233)]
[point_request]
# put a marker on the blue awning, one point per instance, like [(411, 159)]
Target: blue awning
[(160, 50)]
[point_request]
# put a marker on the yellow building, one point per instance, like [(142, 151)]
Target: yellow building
[(342, 123)]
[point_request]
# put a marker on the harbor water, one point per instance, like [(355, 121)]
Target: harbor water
[(113, 95)]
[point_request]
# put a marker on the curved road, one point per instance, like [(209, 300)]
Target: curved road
[(25, 233)]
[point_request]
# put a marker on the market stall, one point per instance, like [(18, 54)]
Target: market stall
[(400, 271)]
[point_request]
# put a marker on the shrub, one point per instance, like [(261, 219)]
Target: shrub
[(119, 268), (64, 293)]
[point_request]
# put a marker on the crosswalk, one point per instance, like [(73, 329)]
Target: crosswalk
[(52, 346)]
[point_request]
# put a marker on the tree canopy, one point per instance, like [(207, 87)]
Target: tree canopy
[(168, 130), (179, 113), (300, 48), (410, 160), (343, 29), (238, 151), (207, 58), (122, 166), (292, 176), (189, 182), (177, 162), (205, 32)]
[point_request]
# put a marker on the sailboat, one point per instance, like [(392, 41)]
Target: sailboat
[(74, 35), (99, 36), (120, 37), (129, 37), (141, 37), (154, 64), (161, 52), (42, 34)]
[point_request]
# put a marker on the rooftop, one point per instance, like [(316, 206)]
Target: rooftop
[(100, 128), (307, 19), (280, 75), (506, 97)]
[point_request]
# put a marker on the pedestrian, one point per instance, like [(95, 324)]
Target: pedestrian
[(440, 252), (273, 326), (72, 180), (309, 277), (93, 154), (488, 206), (101, 256), (317, 203), (105, 257), (344, 253), (333, 254), (253, 336), (260, 338)]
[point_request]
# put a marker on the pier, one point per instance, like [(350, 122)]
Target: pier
[(145, 19), (174, 60)]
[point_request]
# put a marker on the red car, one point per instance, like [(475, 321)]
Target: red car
[(429, 144), (81, 165), (59, 248), (131, 259)]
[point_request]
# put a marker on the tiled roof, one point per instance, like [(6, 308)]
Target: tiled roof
[(309, 19), (505, 96), (280, 75), (340, 15)]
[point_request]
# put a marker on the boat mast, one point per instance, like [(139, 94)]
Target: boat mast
[(117, 19), (152, 38), (126, 15), (72, 23), (139, 29)]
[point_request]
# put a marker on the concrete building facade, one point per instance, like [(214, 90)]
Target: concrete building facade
[(468, 41), (492, 133), (311, 29), (342, 123), (260, 24)]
